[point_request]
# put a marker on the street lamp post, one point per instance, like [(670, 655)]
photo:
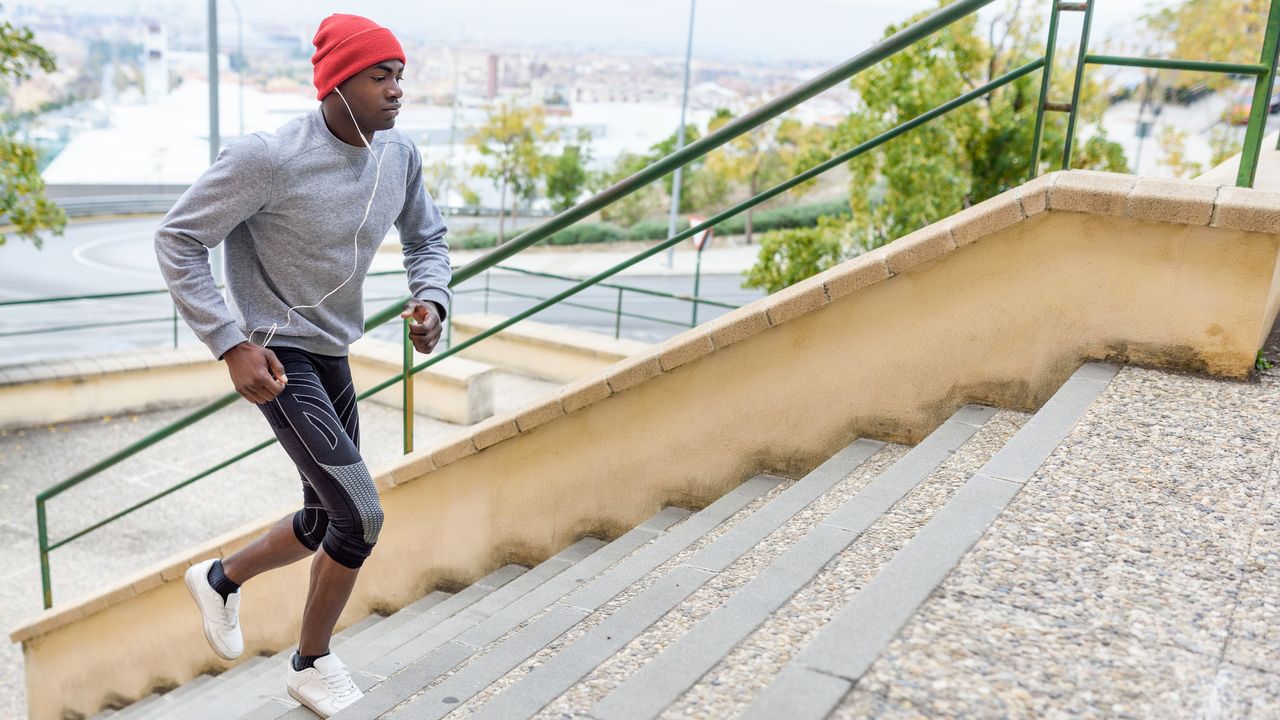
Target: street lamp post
[(215, 141), (240, 55), (684, 103)]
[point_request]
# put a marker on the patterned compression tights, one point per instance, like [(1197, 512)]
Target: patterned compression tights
[(316, 421)]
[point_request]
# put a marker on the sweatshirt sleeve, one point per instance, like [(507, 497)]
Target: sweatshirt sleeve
[(422, 237), (236, 186)]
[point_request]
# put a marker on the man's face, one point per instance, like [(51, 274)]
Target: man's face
[(374, 95)]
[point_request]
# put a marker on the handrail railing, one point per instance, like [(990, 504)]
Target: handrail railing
[(693, 299), (1264, 72), (753, 119)]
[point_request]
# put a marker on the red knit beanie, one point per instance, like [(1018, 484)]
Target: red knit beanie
[(347, 44)]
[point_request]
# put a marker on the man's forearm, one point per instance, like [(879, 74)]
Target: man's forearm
[(184, 264)]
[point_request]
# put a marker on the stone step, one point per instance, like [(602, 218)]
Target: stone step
[(562, 570), (267, 690), (396, 649), (579, 657), (659, 672), (525, 627), (730, 685), (217, 699), (202, 698), (813, 683), (166, 702), (149, 703), (221, 701)]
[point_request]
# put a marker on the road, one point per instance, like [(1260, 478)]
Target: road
[(116, 256)]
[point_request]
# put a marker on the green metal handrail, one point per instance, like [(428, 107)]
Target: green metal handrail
[(843, 72), (617, 313), (695, 300), (1264, 72), (1168, 64), (95, 296), (693, 151)]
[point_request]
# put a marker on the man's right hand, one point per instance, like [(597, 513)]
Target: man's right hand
[(256, 373)]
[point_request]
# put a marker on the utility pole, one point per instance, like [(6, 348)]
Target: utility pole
[(215, 141), (217, 258), (684, 103), (240, 55)]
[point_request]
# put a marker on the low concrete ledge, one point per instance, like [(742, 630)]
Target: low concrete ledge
[(87, 387), (547, 352), (983, 307), (454, 390)]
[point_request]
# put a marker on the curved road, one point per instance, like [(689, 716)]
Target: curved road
[(116, 256)]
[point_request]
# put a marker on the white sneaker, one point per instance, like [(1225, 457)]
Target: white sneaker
[(324, 689), (221, 620)]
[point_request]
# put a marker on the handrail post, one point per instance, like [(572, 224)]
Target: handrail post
[(42, 532), (1075, 92), (697, 282), (1261, 97), (486, 291), (448, 326), (617, 318), (408, 389), (175, 325), (1050, 46)]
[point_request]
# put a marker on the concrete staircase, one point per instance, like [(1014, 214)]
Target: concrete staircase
[(771, 601)]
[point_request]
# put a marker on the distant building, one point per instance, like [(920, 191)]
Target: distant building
[(155, 62), (493, 76)]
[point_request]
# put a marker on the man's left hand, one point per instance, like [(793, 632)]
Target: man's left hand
[(424, 332)]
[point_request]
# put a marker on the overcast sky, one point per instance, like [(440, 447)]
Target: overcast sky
[(821, 30), (824, 30)]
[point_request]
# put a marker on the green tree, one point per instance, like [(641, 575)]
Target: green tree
[(566, 172), (1173, 144), (440, 178), (510, 143), (973, 152), (761, 157), (701, 187), (963, 157), (1217, 30), (22, 201), (636, 206)]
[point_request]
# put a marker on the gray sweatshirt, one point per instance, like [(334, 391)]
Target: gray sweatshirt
[(288, 205)]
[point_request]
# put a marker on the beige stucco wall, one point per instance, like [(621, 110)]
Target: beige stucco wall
[(997, 305)]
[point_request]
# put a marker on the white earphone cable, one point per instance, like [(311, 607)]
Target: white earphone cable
[(355, 255)]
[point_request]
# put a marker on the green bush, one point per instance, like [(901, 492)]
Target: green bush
[(654, 229), (789, 256), (473, 241), (795, 216), (587, 233)]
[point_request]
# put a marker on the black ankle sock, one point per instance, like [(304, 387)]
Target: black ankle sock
[(302, 662), (220, 582)]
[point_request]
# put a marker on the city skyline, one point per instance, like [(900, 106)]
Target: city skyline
[(825, 31)]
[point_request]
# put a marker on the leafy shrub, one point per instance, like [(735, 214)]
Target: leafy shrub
[(794, 216), (472, 241), (587, 233), (789, 256), (654, 229)]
